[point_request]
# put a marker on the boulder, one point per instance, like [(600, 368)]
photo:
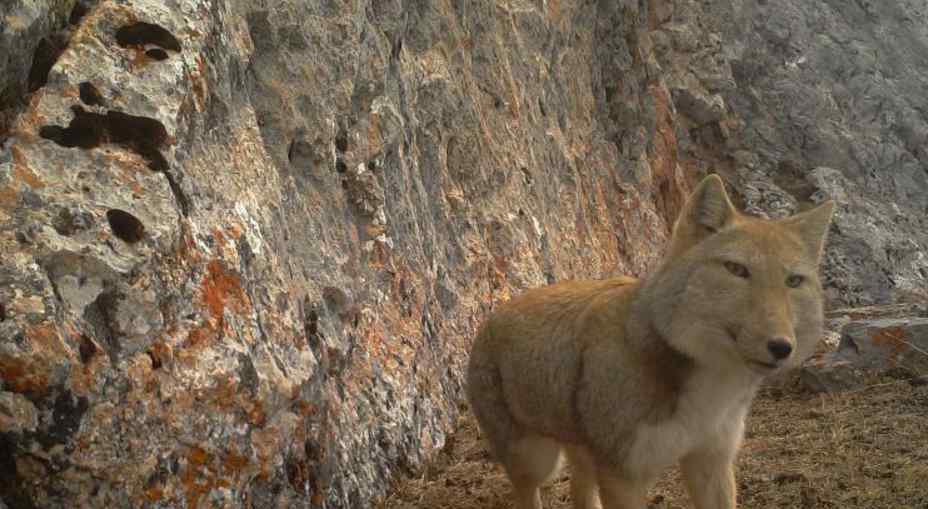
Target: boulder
[(896, 347)]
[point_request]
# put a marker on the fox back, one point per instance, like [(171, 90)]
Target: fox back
[(629, 376)]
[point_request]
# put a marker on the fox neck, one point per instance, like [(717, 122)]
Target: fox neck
[(651, 314), (652, 307)]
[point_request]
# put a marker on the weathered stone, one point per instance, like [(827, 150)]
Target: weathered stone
[(17, 414), (821, 100), (831, 372), (868, 348), (886, 344), (701, 108), (31, 39)]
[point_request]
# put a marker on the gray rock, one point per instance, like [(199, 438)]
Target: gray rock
[(828, 98), (831, 372), (17, 414), (31, 38), (887, 344), (870, 347)]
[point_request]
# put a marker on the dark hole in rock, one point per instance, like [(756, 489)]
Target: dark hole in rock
[(351, 315), (340, 166), (157, 54), (541, 108), (497, 103), (296, 149), (2, 312), (128, 128), (77, 13), (87, 130), (156, 161), (13, 485), (341, 140), (397, 48), (313, 450), (141, 33), (312, 326), (67, 413), (90, 95), (78, 134), (125, 226), (45, 56), (297, 474), (155, 360), (87, 349)]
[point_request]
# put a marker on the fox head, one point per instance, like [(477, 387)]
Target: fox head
[(740, 291)]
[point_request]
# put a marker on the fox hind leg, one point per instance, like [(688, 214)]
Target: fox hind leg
[(531, 461)]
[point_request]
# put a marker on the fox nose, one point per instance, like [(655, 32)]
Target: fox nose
[(779, 348)]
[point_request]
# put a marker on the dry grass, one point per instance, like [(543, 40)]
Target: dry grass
[(862, 449)]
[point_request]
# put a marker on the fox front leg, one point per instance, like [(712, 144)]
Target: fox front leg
[(710, 479)]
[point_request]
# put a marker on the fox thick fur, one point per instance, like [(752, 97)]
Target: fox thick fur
[(627, 377)]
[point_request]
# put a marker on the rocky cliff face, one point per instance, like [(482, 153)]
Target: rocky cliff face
[(246, 244)]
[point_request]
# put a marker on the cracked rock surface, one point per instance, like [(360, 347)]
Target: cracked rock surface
[(245, 245)]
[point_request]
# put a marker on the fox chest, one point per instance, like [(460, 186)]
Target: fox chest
[(698, 425)]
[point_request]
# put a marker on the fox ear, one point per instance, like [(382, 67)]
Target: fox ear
[(707, 211), (709, 206), (812, 226)]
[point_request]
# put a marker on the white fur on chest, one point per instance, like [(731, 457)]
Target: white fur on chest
[(710, 415)]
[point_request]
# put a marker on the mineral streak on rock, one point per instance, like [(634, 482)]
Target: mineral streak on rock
[(246, 244)]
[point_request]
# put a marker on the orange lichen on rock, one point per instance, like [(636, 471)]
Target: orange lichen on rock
[(256, 415), (21, 170), (199, 85), (234, 463), (154, 493), (206, 472), (8, 197), (669, 191), (32, 372), (220, 238), (221, 287), (197, 479), (200, 336), (22, 377), (891, 339)]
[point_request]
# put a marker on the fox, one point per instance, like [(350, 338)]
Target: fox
[(625, 377)]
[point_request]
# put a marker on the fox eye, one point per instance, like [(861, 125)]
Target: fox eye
[(738, 269), (794, 281)]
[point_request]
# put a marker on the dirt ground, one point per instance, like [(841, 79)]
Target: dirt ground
[(862, 449)]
